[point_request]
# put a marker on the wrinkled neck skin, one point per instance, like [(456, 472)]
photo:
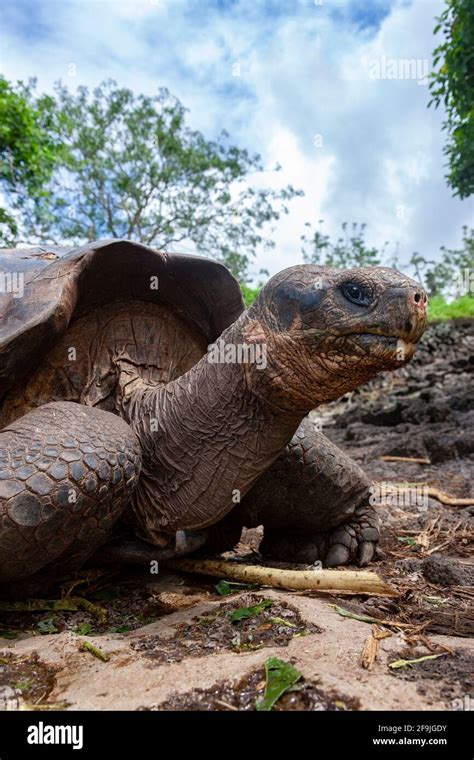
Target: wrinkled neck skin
[(206, 438)]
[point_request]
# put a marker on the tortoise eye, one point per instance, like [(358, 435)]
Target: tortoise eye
[(356, 293)]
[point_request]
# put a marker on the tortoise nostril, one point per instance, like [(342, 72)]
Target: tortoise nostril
[(417, 297)]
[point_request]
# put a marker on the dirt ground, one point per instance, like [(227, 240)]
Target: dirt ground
[(172, 642)]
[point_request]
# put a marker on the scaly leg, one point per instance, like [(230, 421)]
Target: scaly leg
[(66, 474), (313, 503)]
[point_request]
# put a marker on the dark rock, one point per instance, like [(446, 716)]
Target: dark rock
[(446, 571), (463, 402), (451, 445), (420, 411), (390, 415)]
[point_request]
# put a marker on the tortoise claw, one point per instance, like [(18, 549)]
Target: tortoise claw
[(354, 541), (366, 552), (337, 554), (358, 537)]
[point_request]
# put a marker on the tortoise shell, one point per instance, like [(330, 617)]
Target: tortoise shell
[(56, 282)]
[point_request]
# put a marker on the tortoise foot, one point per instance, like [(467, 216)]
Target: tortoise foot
[(351, 542)]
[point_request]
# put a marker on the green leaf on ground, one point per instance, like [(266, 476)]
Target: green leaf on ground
[(247, 612), (8, 635), (23, 685), (354, 616), (248, 647), (47, 626), (396, 664), (407, 540), (436, 600), (225, 588), (282, 621), (83, 629), (280, 677)]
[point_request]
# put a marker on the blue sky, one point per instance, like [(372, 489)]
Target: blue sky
[(318, 86)]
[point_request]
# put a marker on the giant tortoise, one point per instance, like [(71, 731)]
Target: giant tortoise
[(144, 410)]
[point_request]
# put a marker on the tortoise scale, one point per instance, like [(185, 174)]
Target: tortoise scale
[(121, 405)]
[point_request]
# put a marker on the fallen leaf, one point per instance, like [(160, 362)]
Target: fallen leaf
[(281, 621), (247, 612), (369, 653), (408, 540), (47, 626), (396, 664), (361, 618), (264, 627), (371, 647), (88, 647), (83, 629), (423, 540), (226, 588), (436, 600), (280, 677), (368, 619)]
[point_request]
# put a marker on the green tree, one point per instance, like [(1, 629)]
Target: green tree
[(29, 152), (452, 275), (452, 84), (350, 250), (133, 168)]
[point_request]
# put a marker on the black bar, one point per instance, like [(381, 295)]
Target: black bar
[(137, 734)]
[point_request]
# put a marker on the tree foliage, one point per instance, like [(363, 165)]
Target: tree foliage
[(452, 84), (349, 250), (131, 167), (452, 275), (29, 152)]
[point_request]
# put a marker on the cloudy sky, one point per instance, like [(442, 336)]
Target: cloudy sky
[(333, 90)]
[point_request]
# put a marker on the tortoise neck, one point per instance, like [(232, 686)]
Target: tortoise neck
[(206, 438)]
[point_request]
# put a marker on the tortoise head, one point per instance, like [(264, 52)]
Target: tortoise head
[(329, 330)]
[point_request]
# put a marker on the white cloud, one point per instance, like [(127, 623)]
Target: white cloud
[(304, 72)]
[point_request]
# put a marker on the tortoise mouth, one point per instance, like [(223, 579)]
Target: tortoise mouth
[(389, 346), (383, 338)]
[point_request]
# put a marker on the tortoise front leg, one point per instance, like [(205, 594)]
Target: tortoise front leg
[(66, 474), (313, 503)]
